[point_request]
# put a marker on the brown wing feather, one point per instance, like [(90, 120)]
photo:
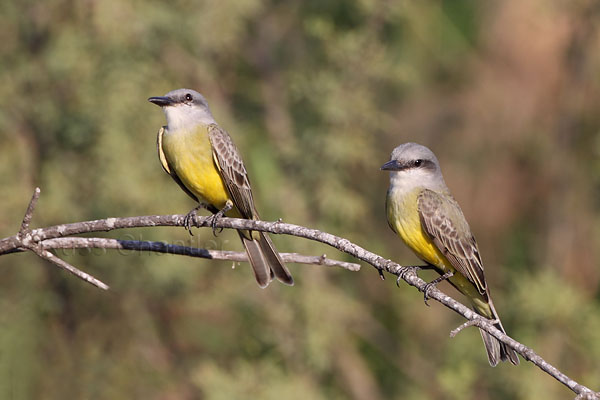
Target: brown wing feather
[(233, 171), (387, 199), (445, 223), (264, 258)]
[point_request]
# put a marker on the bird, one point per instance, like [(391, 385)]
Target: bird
[(423, 212), (202, 159)]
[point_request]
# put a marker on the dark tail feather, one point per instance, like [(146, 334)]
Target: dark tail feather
[(496, 350), (261, 269), (492, 347), (274, 260), (265, 260), (508, 354)]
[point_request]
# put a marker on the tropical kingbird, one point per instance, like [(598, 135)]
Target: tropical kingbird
[(421, 210), (201, 157)]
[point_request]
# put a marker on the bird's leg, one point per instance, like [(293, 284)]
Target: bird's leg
[(213, 221), (410, 268), (434, 282), (191, 216)]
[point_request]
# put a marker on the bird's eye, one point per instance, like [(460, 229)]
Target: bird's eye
[(418, 163), (188, 97)]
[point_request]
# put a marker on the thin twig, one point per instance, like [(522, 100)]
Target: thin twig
[(29, 212), (27, 240), (160, 247), (588, 396), (11, 243), (46, 255), (458, 329)]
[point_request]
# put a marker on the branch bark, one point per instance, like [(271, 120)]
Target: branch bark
[(15, 243), (40, 242), (161, 247)]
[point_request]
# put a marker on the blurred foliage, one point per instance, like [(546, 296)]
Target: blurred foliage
[(316, 95)]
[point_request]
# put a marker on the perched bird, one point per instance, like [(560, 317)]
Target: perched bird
[(201, 157), (421, 210)]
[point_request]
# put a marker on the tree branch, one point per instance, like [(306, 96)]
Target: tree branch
[(29, 212), (41, 240), (160, 247), (14, 243), (46, 255), (28, 241)]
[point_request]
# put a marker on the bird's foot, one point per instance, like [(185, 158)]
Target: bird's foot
[(190, 218), (405, 270), (410, 268), (219, 214), (433, 283)]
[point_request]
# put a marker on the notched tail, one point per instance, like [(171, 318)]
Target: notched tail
[(496, 350), (265, 260), (274, 260), (261, 270)]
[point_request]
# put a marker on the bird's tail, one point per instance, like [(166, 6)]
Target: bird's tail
[(265, 260), (496, 350)]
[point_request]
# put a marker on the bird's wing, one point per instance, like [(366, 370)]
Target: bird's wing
[(232, 170), (161, 153), (444, 222), (166, 166)]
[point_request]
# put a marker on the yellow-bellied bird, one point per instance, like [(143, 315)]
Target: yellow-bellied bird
[(201, 157), (421, 210)]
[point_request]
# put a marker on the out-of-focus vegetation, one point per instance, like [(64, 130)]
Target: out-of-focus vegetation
[(316, 94)]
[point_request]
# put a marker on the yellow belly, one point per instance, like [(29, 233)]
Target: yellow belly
[(403, 216), (189, 154)]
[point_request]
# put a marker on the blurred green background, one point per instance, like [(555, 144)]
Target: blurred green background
[(316, 95)]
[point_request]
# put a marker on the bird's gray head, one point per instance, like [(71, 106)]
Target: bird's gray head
[(413, 165), (184, 108)]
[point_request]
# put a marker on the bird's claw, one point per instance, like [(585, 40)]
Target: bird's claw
[(217, 215), (190, 218), (213, 223), (405, 270), (426, 291), (433, 283)]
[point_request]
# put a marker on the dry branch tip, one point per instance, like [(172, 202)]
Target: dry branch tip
[(462, 326), (29, 212)]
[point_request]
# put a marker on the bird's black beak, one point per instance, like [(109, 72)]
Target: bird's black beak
[(392, 165), (161, 101)]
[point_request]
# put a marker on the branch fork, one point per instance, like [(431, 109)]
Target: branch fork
[(31, 242)]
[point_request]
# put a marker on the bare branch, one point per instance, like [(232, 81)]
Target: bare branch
[(46, 255), (588, 396), (464, 325), (160, 247), (29, 212), (10, 244), (25, 240)]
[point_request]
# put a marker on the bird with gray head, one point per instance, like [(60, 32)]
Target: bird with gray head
[(421, 210), (202, 159)]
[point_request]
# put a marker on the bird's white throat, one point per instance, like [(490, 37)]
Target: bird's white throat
[(184, 116), (408, 180)]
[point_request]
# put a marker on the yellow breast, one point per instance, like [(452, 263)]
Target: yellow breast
[(403, 216), (189, 154)]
